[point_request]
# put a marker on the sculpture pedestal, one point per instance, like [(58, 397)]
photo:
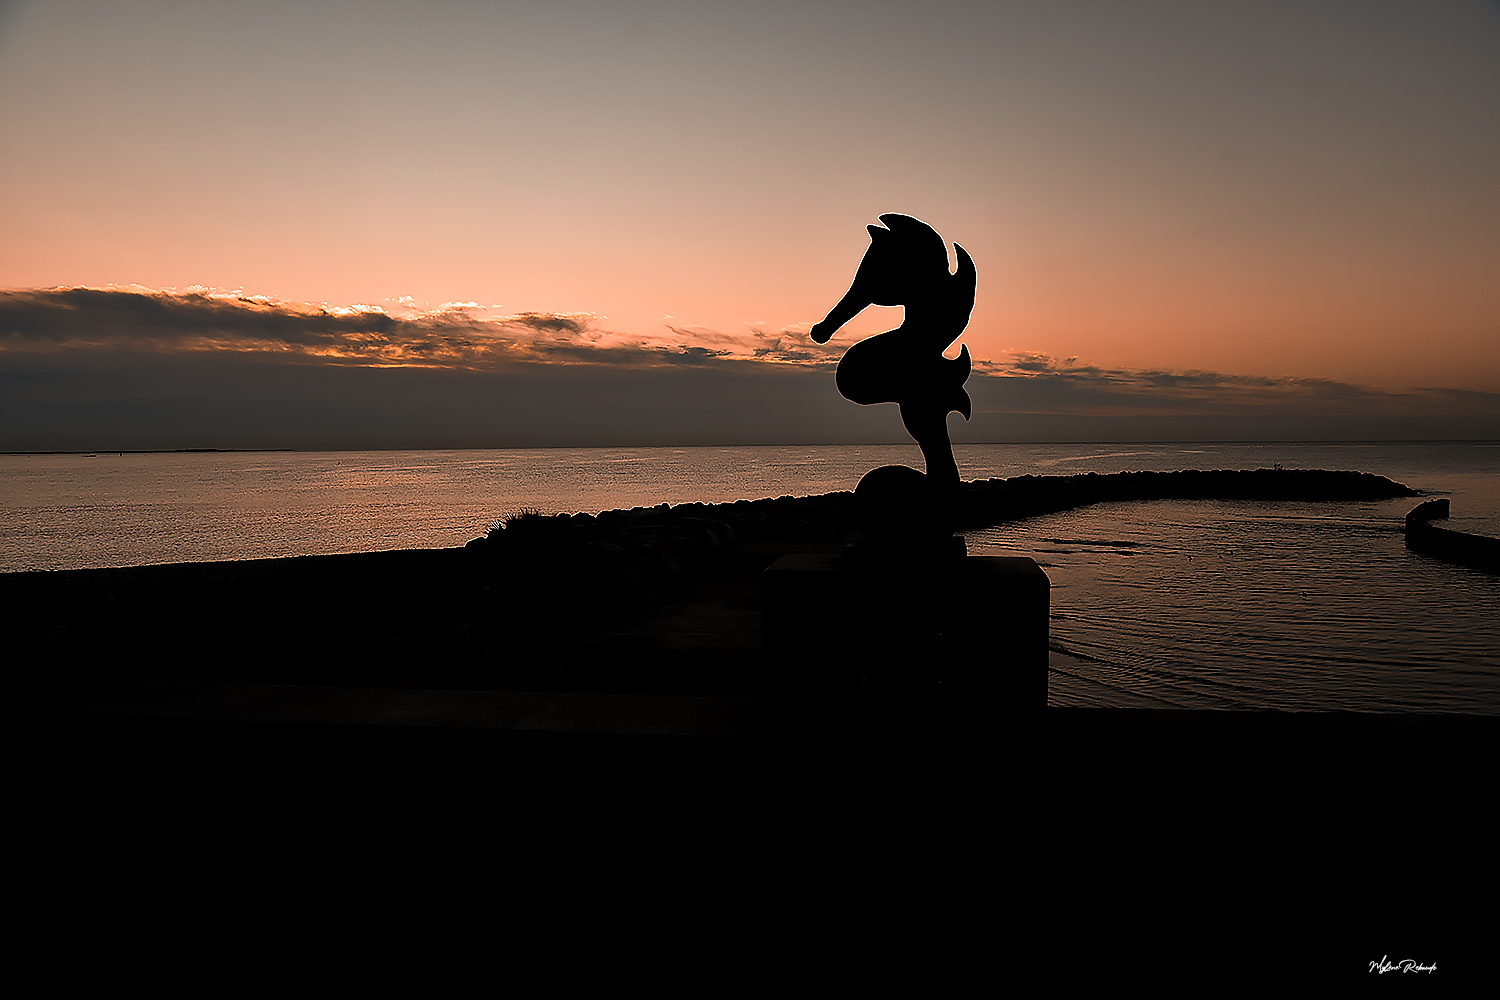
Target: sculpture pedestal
[(969, 626)]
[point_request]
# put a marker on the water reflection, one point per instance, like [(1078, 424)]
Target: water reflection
[(1217, 604)]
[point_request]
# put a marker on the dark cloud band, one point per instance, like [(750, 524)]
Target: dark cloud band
[(95, 369), (74, 319)]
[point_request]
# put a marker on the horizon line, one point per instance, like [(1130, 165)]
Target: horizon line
[(859, 444)]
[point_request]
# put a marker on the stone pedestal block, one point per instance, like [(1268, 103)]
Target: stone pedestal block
[(972, 626)]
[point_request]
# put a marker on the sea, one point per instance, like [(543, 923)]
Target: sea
[(1216, 604)]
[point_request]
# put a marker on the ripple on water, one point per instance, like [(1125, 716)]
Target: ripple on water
[(1219, 604)]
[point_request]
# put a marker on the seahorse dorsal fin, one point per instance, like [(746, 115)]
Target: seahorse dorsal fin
[(907, 223), (962, 404)]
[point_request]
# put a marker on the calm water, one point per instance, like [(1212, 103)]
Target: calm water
[(1166, 603)]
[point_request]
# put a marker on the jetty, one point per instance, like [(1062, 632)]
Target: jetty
[(1449, 544)]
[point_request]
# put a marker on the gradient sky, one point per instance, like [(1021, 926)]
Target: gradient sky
[(1303, 190)]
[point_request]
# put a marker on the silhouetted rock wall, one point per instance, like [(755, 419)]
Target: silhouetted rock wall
[(1478, 551), (664, 539), (994, 501)]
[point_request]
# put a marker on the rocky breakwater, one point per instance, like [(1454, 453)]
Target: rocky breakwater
[(994, 501), (646, 544), (557, 581), (534, 559), (1465, 548)]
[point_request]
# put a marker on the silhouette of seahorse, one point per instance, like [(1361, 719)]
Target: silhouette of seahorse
[(907, 265)]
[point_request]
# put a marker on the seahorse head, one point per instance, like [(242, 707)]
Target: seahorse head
[(906, 263), (905, 260)]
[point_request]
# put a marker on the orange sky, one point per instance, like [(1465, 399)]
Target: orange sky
[(1305, 189)]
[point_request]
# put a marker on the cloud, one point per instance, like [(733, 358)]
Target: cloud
[(455, 335), (1039, 383), (135, 368)]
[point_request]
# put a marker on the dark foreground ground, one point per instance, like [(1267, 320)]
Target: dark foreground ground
[(1242, 847), (581, 696)]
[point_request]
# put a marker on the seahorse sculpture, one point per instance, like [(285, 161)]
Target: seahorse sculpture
[(907, 265)]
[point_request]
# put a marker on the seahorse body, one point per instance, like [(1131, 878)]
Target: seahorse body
[(907, 265)]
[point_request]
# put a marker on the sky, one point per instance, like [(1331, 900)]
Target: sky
[(498, 224)]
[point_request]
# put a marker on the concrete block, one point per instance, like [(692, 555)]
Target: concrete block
[(976, 624)]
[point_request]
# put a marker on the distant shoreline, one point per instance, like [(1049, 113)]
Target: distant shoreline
[(796, 444)]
